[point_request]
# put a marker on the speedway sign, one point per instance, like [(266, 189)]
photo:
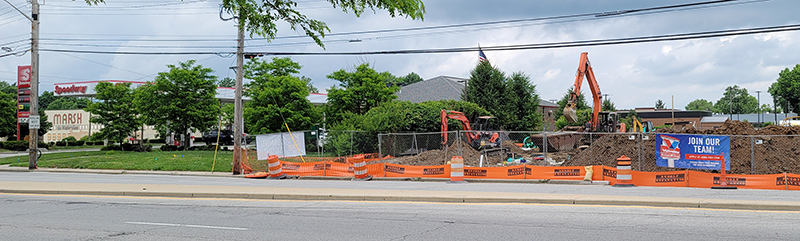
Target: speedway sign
[(693, 151)]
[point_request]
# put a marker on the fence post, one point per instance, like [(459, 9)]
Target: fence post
[(380, 150), (458, 142), (544, 144), (752, 156), (351, 143), (591, 148), (416, 147), (641, 136)]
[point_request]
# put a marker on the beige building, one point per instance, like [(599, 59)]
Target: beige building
[(75, 123)]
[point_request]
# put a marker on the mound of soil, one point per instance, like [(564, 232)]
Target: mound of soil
[(777, 153)]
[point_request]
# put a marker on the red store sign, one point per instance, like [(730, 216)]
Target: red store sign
[(70, 89), (23, 76)]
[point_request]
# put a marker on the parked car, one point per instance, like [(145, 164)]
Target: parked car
[(225, 137)]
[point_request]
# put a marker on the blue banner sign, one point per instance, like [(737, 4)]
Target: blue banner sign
[(693, 151)]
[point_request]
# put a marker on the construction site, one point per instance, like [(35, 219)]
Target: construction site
[(776, 152), (602, 140)]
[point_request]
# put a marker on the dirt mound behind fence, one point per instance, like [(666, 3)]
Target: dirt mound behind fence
[(778, 151), (775, 154)]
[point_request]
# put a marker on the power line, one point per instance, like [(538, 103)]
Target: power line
[(126, 7), (103, 64), (645, 39), (593, 15)]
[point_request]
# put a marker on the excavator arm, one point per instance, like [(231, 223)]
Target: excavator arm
[(570, 110), (450, 114)]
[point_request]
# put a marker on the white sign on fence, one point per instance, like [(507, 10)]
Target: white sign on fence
[(280, 144)]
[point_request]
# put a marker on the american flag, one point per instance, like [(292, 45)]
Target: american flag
[(481, 56)]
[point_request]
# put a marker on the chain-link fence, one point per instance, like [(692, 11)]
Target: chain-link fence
[(749, 154), (316, 146)]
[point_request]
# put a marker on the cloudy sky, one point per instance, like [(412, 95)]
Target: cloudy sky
[(633, 75)]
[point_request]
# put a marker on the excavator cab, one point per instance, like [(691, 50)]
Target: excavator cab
[(486, 123), (608, 122)]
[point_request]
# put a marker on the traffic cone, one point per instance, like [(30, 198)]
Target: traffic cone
[(275, 171), (359, 168), (457, 170), (624, 172)]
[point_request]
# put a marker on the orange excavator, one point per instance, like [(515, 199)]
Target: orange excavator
[(609, 119), (480, 139)]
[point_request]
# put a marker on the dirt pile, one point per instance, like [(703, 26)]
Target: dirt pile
[(440, 157), (470, 155), (770, 154)]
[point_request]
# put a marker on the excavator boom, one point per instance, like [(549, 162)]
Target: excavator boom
[(570, 110)]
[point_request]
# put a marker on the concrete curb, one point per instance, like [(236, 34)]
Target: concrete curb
[(450, 197)]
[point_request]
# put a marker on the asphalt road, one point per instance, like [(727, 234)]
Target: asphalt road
[(47, 217)]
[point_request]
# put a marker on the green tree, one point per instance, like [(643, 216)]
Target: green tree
[(226, 82), (701, 104), (68, 103), (309, 84), (7, 88), (113, 111), (411, 78), (520, 111), (46, 98), (8, 120), (608, 105), (736, 100), (660, 105), (394, 117), (357, 92), (182, 99), (277, 97), (787, 89), (487, 88)]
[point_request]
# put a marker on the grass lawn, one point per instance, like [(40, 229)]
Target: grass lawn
[(123, 160)]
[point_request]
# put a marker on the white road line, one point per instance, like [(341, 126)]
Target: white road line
[(188, 225)]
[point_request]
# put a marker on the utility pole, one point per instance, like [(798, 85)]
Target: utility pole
[(33, 131), (758, 93), (237, 101)]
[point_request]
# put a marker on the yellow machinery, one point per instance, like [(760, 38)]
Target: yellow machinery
[(645, 127)]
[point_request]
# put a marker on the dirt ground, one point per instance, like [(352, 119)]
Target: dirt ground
[(777, 152)]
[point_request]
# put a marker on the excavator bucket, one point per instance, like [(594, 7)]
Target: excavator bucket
[(571, 111)]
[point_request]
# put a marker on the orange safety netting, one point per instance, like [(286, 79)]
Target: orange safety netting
[(340, 167)]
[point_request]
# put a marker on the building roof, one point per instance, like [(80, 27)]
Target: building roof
[(714, 119), (438, 88), (544, 103)]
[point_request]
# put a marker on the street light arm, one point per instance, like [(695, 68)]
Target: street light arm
[(20, 11)]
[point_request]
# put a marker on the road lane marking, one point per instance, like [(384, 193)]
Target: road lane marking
[(188, 225)]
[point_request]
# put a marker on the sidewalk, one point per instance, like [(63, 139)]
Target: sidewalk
[(226, 185)]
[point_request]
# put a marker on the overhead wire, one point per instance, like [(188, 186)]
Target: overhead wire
[(593, 15), (617, 41)]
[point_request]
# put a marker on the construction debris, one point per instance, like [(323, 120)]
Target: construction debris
[(777, 152)]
